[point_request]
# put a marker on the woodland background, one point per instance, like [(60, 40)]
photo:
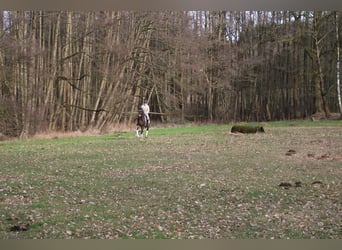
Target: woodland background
[(69, 70)]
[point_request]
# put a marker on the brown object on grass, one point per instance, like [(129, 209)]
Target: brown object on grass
[(19, 227), (290, 152), (245, 129), (285, 185)]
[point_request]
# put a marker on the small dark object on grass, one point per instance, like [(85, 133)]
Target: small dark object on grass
[(322, 157), (285, 185), (20, 227), (247, 129), (298, 184), (290, 152)]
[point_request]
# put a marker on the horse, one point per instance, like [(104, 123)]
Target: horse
[(142, 123)]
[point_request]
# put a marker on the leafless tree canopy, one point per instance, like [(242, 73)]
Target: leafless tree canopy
[(70, 70)]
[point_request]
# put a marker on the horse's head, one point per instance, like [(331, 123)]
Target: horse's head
[(140, 113)]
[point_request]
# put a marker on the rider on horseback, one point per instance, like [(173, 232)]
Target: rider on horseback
[(146, 110)]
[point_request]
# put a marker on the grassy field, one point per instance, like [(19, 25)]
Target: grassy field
[(185, 182)]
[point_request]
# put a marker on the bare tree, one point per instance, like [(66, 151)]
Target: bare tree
[(338, 63)]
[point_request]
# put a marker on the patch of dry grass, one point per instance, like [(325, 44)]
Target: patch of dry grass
[(58, 134)]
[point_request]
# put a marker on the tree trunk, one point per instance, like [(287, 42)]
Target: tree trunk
[(338, 63), (49, 102), (320, 95)]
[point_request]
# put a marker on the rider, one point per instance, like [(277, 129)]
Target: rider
[(146, 110)]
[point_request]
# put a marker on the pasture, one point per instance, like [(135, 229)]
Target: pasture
[(188, 182)]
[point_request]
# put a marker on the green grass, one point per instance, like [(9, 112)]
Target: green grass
[(182, 182)]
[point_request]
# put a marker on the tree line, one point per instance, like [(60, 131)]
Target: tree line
[(77, 70)]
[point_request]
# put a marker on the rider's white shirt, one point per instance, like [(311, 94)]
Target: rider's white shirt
[(146, 108)]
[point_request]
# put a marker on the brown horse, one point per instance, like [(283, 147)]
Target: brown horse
[(142, 123)]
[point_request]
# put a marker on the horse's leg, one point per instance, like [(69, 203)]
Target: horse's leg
[(137, 132), (142, 132), (147, 128)]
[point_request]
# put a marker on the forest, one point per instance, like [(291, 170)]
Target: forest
[(81, 70)]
